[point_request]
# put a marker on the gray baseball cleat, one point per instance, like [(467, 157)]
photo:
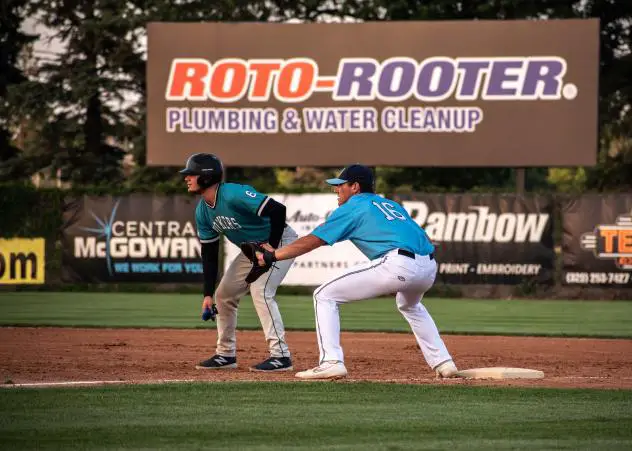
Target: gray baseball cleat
[(217, 362), (274, 364)]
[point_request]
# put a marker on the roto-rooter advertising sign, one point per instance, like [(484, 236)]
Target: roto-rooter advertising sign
[(479, 93)]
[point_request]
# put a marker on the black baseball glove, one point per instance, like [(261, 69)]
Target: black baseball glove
[(249, 248)]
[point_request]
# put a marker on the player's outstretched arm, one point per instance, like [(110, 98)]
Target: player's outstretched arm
[(299, 247)]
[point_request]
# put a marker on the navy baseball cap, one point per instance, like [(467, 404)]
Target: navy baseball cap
[(354, 173)]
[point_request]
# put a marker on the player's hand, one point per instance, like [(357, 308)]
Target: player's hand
[(268, 247), (255, 252), (207, 302), (209, 310)]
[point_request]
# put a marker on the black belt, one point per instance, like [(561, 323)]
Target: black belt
[(409, 254)]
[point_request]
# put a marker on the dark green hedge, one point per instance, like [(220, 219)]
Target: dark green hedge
[(29, 212)]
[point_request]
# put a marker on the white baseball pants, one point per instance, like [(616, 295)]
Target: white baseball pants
[(263, 291), (393, 273)]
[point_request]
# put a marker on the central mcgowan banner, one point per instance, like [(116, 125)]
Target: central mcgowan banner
[(488, 239), (136, 238)]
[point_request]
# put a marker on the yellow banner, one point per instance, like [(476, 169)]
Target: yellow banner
[(22, 261)]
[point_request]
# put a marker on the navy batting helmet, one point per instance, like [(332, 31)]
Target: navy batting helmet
[(207, 166)]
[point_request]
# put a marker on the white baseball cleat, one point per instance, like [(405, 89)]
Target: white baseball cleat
[(332, 369), (446, 370)]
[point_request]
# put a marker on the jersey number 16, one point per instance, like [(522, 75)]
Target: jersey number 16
[(389, 211)]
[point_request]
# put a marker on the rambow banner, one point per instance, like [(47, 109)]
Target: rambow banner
[(488, 239), (462, 93), (136, 238), (480, 239), (597, 243)]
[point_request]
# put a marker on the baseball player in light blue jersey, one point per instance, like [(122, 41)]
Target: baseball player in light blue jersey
[(401, 261), (240, 213)]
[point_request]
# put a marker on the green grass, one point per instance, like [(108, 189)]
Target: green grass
[(272, 416), (464, 316)]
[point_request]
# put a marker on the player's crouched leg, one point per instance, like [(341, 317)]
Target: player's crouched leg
[(328, 334), (263, 292), (227, 300)]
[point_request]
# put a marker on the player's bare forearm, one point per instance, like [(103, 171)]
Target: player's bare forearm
[(299, 247)]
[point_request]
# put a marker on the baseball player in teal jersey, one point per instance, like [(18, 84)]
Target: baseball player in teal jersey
[(240, 213), (401, 261)]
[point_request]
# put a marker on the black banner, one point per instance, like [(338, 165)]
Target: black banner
[(597, 243), (488, 239), (136, 238)]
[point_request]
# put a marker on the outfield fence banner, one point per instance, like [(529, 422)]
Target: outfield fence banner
[(22, 261), (514, 93), (597, 241), (480, 239), (488, 239), (304, 213), (136, 238)]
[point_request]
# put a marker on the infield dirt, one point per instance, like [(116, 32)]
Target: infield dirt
[(29, 355)]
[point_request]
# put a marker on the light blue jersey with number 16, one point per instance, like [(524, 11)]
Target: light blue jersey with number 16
[(376, 225)]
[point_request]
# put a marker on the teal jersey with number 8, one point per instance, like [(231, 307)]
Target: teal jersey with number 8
[(376, 225), (236, 214)]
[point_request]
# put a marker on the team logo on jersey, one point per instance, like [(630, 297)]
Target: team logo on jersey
[(611, 241), (222, 223)]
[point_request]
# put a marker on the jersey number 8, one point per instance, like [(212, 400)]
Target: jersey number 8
[(389, 211)]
